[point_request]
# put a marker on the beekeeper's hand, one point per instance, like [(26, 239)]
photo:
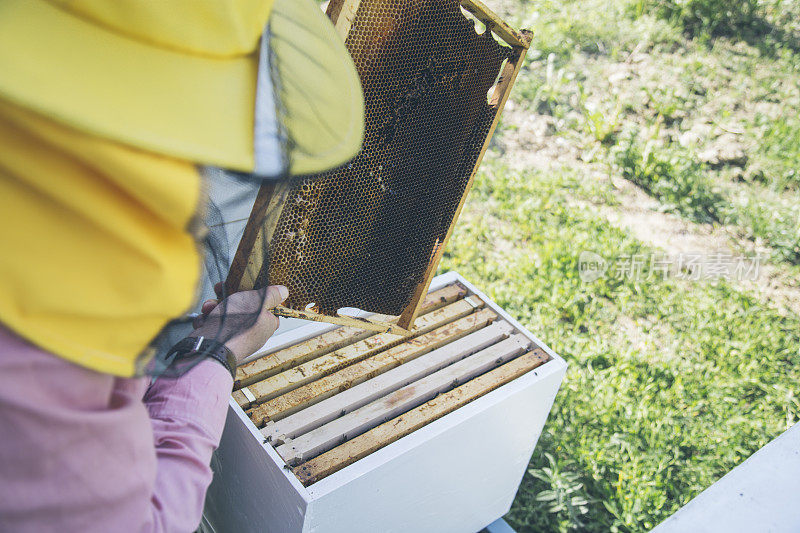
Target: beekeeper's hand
[(242, 320)]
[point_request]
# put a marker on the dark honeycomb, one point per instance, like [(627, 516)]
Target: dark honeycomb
[(362, 235)]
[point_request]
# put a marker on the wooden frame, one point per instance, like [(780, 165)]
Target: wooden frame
[(398, 402), (362, 393), (342, 13), (307, 372), (498, 99)]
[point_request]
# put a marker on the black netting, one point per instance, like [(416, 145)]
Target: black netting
[(227, 205)]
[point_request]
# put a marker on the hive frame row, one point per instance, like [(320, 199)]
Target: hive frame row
[(312, 405), (453, 302)]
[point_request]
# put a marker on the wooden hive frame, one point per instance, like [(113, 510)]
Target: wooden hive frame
[(246, 265)]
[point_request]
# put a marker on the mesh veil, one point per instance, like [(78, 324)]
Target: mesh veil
[(230, 196), (221, 220)]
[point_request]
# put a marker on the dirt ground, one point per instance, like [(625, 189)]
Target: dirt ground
[(534, 141)]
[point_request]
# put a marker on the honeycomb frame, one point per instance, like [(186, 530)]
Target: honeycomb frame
[(248, 269)]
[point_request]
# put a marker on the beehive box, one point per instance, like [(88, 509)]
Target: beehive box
[(431, 433)]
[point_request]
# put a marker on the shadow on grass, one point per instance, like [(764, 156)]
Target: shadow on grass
[(768, 38)]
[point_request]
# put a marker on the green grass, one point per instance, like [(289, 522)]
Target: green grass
[(639, 428), (709, 18), (760, 214), (671, 382), (682, 185), (779, 151), (769, 25), (727, 83), (672, 176)]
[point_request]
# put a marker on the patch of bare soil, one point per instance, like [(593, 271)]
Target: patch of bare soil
[(532, 142)]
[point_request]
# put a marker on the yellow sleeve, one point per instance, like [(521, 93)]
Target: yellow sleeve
[(97, 255)]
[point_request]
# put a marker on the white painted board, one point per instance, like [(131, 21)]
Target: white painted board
[(761, 494), (249, 492)]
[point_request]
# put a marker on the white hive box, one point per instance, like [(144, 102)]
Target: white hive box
[(458, 473)]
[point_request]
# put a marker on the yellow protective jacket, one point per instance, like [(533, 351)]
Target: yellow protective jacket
[(97, 255)]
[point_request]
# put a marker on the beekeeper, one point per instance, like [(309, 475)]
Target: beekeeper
[(109, 112)]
